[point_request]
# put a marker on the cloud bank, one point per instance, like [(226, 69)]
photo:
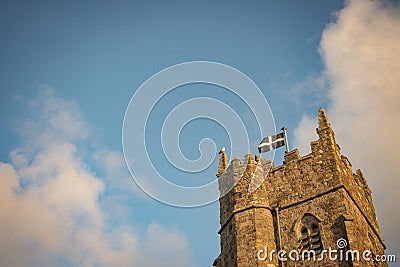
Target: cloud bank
[(55, 210), (361, 53)]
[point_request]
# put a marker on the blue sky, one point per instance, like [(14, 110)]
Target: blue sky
[(69, 69)]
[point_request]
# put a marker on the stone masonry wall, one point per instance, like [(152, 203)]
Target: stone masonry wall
[(320, 185)]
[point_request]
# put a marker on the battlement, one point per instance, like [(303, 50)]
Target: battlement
[(321, 184), (299, 177)]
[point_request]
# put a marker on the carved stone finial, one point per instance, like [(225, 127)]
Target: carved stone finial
[(223, 162), (249, 158), (323, 121)]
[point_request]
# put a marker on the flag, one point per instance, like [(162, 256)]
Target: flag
[(271, 142)]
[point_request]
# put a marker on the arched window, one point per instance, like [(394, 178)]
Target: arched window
[(309, 234)]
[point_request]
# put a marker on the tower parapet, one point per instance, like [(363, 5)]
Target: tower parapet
[(308, 202), (245, 214)]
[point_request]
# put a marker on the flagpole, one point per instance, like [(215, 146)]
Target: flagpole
[(286, 139)]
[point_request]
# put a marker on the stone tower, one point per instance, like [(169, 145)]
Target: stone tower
[(312, 208)]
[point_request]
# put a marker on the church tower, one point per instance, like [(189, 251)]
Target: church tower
[(313, 209)]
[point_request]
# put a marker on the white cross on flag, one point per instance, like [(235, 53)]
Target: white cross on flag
[(271, 142)]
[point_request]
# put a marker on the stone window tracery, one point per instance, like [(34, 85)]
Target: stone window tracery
[(309, 234)]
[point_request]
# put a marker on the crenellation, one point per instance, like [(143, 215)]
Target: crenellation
[(292, 156), (263, 205)]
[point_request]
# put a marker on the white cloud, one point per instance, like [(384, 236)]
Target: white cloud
[(62, 117), (116, 173), (362, 64), (304, 134), (311, 88), (50, 208)]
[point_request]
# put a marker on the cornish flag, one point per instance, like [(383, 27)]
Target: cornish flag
[(271, 142)]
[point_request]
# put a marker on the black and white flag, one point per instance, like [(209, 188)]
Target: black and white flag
[(271, 142)]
